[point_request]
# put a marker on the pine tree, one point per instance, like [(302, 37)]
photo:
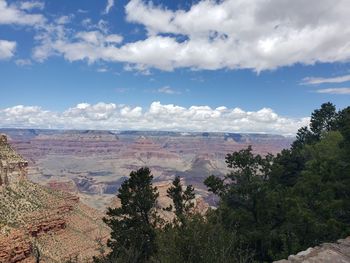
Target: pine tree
[(182, 200), (133, 224)]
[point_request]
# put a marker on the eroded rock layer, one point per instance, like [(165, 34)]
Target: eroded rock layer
[(93, 164), (35, 220)]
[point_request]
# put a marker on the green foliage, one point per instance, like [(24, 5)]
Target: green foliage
[(280, 205), (269, 207), (201, 240), (324, 119), (245, 202), (182, 200), (133, 224), (194, 238)]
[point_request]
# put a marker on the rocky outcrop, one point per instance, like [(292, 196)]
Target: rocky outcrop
[(56, 221), (12, 165), (338, 252), (15, 247), (52, 220)]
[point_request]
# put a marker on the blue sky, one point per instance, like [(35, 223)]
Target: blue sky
[(175, 65)]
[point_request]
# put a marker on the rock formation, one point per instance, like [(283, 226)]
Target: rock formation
[(12, 165), (92, 164), (15, 247), (35, 217), (338, 252)]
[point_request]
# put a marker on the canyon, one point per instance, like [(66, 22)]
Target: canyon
[(93, 164), (51, 183), (39, 222)]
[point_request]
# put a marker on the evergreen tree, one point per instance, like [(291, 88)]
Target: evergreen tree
[(245, 203), (133, 224), (270, 207), (182, 200), (324, 119)]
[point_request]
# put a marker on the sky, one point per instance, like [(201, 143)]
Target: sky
[(230, 66)]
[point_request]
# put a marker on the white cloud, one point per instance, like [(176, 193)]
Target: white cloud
[(23, 62), (110, 4), (64, 19), (114, 38), (97, 112), (258, 35), (315, 81), (91, 37), (156, 117), (334, 91), (32, 5), (7, 49), (167, 90), (11, 14)]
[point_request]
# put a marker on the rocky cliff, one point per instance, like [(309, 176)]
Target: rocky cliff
[(338, 252), (12, 165), (36, 219)]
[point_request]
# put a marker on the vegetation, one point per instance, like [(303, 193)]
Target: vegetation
[(269, 207), (133, 224)]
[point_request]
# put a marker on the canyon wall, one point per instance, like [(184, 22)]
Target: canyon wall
[(93, 164), (12, 165), (35, 219)]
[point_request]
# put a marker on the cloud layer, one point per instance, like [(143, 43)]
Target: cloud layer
[(258, 35), (319, 80), (343, 91), (250, 34), (156, 117)]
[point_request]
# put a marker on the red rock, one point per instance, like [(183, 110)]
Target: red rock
[(15, 247)]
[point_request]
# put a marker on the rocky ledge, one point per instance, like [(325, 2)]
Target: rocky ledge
[(15, 247), (338, 252), (36, 218)]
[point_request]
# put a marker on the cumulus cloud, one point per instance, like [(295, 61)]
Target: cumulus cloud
[(110, 4), (334, 91), (156, 117), (12, 14), (7, 49), (315, 81), (257, 35)]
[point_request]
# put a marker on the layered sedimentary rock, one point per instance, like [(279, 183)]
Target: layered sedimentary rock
[(15, 247), (93, 164), (33, 217), (338, 252), (12, 165)]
